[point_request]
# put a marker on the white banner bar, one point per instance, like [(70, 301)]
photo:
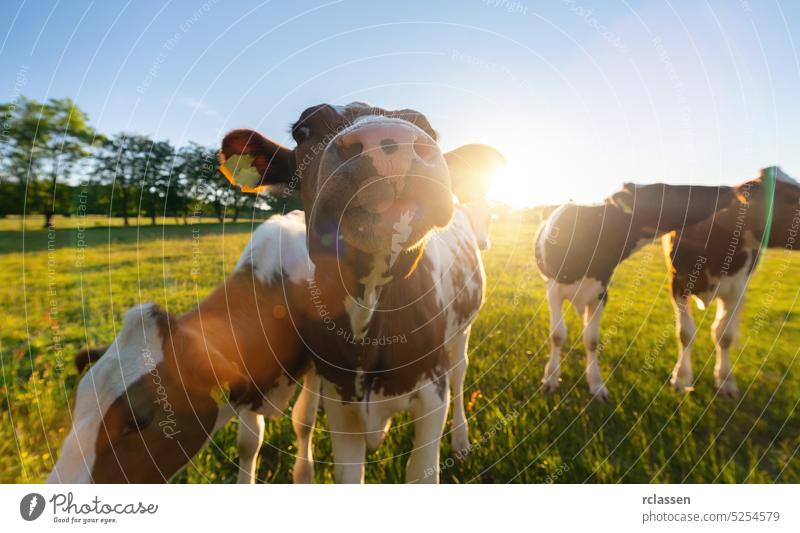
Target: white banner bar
[(389, 508)]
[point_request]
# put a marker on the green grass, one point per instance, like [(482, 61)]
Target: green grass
[(54, 302)]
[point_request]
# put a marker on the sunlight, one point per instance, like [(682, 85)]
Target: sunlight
[(524, 184)]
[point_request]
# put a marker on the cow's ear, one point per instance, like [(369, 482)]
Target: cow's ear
[(87, 357), (624, 199), (745, 191), (472, 167), (252, 162)]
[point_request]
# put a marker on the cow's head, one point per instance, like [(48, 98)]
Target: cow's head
[(372, 180), (664, 208), (141, 413), (752, 207)]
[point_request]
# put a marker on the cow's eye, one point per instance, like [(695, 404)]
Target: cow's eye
[(301, 134), (136, 424)]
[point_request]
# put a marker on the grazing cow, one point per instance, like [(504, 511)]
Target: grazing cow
[(715, 258), (157, 394), (579, 246), (393, 297)]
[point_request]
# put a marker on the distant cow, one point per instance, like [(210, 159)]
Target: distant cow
[(375, 187), (153, 398), (579, 246), (715, 258), (480, 214)]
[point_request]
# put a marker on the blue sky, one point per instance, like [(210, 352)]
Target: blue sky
[(579, 95)]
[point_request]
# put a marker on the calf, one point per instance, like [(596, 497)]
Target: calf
[(579, 246), (714, 259), (393, 297), (470, 226), (158, 393)]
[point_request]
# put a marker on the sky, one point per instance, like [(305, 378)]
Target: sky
[(579, 95)]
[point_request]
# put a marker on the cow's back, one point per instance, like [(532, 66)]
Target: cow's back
[(580, 241)]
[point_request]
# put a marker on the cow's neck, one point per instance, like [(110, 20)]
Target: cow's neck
[(360, 304), (351, 288), (738, 220), (637, 238), (230, 329)]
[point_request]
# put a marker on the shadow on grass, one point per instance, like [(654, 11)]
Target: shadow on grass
[(11, 242)]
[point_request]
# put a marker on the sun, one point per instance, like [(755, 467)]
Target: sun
[(521, 183)]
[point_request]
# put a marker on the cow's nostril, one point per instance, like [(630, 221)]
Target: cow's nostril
[(349, 147), (425, 150), (389, 146)]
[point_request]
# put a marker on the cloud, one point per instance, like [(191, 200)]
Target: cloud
[(202, 107)]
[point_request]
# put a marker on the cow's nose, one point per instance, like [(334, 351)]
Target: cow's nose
[(393, 148)]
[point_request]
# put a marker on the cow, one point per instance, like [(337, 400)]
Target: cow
[(714, 260), (153, 398), (480, 214), (393, 299), (579, 246), (471, 225)]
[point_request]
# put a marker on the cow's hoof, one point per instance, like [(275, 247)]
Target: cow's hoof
[(682, 382), (728, 389), (550, 384), (460, 450), (600, 393)]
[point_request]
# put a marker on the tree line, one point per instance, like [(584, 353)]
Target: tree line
[(55, 162)]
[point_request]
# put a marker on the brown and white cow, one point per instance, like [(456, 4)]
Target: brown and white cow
[(167, 383), (579, 246), (393, 298), (714, 259)]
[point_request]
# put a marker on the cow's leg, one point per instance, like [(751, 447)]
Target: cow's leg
[(459, 359), (251, 434), (558, 336), (724, 331), (682, 376), (592, 315), (429, 409), (347, 437), (304, 417)]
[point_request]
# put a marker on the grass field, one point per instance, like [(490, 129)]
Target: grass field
[(60, 295)]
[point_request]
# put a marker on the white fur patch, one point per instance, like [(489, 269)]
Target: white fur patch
[(135, 352), (279, 246), (361, 309), (550, 232), (726, 286), (582, 292)]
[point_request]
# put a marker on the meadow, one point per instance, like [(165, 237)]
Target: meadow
[(70, 288)]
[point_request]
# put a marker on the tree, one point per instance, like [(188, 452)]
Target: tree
[(155, 185), (134, 165), (45, 142), (202, 180), (119, 167)]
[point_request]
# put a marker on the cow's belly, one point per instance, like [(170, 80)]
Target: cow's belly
[(276, 400), (582, 292), (726, 287)]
